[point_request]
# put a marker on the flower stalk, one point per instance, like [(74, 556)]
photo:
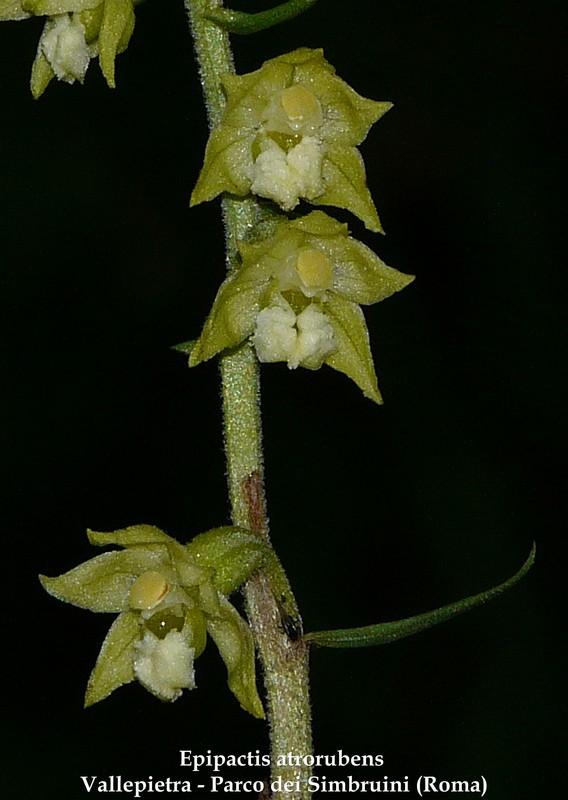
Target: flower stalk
[(284, 657)]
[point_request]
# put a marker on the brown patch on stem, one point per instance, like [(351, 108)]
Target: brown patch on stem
[(253, 487)]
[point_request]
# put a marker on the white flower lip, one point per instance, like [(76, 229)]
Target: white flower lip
[(285, 177), (165, 666), (300, 340), (63, 44)]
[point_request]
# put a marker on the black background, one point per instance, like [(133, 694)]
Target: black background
[(377, 513)]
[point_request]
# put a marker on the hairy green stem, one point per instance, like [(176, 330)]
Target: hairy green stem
[(283, 655)]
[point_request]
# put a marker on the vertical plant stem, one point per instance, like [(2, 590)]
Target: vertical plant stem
[(284, 660)]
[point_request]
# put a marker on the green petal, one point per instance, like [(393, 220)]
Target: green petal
[(232, 317), (114, 665), (233, 638), (248, 95), (346, 186), (353, 356), (42, 74), (49, 8), (228, 158), (133, 536), (318, 223), (361, 276), (116, 29), (347, 115), (103, 583), (233, 553), (12, 10)]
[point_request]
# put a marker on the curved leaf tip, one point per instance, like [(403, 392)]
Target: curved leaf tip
[(386, 632)]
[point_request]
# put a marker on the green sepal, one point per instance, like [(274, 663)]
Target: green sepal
[(41, 76), (103, 583), (234, 554), (163, 546), (186, 348), (242, 23), (346, 186), (387, 632), (133, 536), (234, 641), (353, 356), (50, 8), (359, 274), (225, 167), (117, 27), (115, 663), (232, 317), (12, 10)]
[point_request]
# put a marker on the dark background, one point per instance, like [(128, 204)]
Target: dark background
[(377, 513)]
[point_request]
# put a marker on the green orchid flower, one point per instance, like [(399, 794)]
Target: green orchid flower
[(75, 31), (297, 296), (169, 597), (290, 132)]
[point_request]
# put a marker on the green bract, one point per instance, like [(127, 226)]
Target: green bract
[(289, 132), (168, 597), (74, 32), (297, 294)]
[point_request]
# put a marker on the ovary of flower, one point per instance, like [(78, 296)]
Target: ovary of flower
[(63, 44), (165, 666), (304, 339), (285, 176)]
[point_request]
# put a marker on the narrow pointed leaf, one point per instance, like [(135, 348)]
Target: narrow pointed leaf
[(114, 665), (243, 23), (387, 632)]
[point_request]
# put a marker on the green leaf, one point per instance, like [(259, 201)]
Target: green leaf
[(353, 356), (346, 186), (103, 583), (115, 664), (232, 552), (243, 23), (387, 632), (234, 640)]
